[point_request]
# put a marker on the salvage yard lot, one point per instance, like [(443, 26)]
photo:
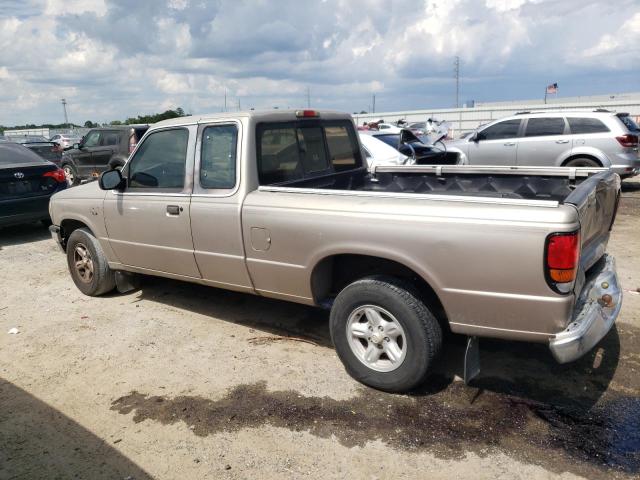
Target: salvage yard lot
[(181, 381)]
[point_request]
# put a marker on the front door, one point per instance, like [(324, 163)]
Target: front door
[(82, 157), (544, 142), (102, 153), (496, 144), (148, 224)]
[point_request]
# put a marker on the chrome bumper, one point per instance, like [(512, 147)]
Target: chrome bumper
[(592, 319)]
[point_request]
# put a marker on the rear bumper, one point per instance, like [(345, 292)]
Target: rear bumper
[(592, 320)]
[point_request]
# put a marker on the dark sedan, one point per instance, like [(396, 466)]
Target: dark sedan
[(46, 149), (27, 182), (411, 146)]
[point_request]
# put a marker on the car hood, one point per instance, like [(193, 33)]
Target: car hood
[(88, 190)]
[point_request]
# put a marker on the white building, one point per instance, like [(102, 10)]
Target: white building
[(470, 117)]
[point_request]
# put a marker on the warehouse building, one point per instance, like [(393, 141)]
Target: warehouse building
[(473, 114)]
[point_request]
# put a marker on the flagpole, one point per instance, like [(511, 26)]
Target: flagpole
[(545, 95)]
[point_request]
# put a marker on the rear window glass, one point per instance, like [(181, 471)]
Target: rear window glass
[(586, 125), (14, 153), (629, 123), (293, 151), (539, 127)]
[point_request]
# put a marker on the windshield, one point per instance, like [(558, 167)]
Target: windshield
[(390, 139)]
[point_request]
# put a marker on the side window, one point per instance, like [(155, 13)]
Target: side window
[(279, 159), (506, 129), (342, 148), (110, 139), (92, 139), (218, 156), (540, 127), (160, 161), (586, 125)]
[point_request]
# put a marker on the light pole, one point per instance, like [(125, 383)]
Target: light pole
[(64, 107)]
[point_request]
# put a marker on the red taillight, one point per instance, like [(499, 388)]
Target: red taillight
[(58, 175), (307, 113), (628, 140), (562, 258)]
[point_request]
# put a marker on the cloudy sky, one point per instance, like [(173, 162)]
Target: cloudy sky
[(112, 59)]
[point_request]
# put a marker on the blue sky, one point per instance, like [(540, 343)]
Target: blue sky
[(112, 59)]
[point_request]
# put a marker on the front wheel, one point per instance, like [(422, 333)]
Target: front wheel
[(88, 265), (384, 334), (70, 174)]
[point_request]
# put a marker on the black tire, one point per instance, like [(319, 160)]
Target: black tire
[(422, 331), (102, 279), (583, 162), (71, 173)]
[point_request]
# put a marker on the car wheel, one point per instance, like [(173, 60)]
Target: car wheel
[(88, 265), (71, 174), (583, 162), (384, 334)]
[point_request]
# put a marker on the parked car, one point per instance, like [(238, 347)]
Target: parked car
[(65, 141), (596, 138), (100, 149), (27, 182), (411, 146), (280, 204), (378, 152), (40, 146)]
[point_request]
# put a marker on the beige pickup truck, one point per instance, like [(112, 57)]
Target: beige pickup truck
[(280, 204)]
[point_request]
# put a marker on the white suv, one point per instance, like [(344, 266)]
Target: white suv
[(594, 138)]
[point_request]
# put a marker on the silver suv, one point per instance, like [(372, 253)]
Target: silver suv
[(593, 138)]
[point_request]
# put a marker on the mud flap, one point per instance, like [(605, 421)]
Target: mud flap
[(471, 359), (126, 282)]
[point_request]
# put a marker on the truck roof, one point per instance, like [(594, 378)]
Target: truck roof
[(260, 115)]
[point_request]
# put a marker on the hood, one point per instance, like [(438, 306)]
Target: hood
[(87, 190)]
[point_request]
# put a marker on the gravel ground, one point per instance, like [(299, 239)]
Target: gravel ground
[(181, 381)]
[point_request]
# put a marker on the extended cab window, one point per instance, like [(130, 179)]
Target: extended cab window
[(586, 125), (540, 127), (506, 129), (298, 150), (218, 156), (160, 161)]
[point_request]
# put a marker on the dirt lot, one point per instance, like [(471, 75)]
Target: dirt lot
[(181, 381)]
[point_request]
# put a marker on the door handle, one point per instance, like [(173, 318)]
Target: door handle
[(510, 144), (562, 141), (174, 209)]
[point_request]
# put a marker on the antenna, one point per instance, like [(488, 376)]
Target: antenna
[(456, 72), (64, 107)]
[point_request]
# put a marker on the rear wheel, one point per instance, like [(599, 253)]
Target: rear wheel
[(583, 162), (71, 174), (88, 265), (384, 334)]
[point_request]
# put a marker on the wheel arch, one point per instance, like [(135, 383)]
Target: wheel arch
[(335, 271), (585, 153), (68, 226)]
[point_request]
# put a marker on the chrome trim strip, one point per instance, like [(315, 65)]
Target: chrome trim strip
[(504, 170), (413, 196)]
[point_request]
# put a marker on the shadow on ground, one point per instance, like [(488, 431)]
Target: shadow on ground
[(37, 441), (26, 233)]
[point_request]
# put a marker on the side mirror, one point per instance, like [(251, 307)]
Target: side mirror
[(475, 137), (76, 146), (111, 180)]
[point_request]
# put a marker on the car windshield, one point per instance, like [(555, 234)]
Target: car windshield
[(390, 139), (628, 121)]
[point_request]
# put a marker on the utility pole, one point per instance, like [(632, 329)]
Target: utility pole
[(456, 71), (373, 104), (64, 107), (308, 97)]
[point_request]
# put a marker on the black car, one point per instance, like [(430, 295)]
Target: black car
[(27, 182), (101, 149), (44, 148), (411, 146)]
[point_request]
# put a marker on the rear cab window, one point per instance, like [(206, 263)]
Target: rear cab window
[(291, 151)]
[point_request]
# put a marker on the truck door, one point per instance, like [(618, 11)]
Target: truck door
[(148, 223), (495, 145), (544, 142), (216, 221)]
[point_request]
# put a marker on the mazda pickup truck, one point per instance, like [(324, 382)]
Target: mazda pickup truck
[(280, 204)]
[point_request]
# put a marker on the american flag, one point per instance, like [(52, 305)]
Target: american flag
[(553, 88)]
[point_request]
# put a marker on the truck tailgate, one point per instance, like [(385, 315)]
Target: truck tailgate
[(596, 200)]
